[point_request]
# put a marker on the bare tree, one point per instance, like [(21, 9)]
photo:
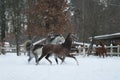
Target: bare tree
[(46, 15), (2, 23)]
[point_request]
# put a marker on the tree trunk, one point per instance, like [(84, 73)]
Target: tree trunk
[(2, 23)]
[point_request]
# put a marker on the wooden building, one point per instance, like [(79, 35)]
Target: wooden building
[(107, 39), (111, 41)]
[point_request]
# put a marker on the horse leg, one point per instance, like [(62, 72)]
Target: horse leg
[(37, 62), (28, 53), (99, 54), (102, 54), (73, 58), (56, 59), (105, 54), (63, 59), (36, 57), (60, 58), (48, 59), (30, 58)]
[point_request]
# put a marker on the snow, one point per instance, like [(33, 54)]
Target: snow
[(14, 67)]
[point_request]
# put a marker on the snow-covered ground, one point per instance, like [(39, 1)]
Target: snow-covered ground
[(14, 67)]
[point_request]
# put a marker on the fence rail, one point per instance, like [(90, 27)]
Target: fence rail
[(111, 50), (10, 49)]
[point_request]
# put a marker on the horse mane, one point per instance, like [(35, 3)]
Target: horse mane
[(54, 37), (101, 43), (68, 42)]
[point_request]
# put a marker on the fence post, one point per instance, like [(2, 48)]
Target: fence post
[(118, 50), (0, 49), (84, 50), (111, 49), (79, 49)]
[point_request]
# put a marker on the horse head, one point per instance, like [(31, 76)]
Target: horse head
[(101, 43)]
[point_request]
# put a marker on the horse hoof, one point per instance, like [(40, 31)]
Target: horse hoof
[(28, 62), (37, 63)]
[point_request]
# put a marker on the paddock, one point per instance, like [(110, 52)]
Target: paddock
[(110, 41), (15, 67)]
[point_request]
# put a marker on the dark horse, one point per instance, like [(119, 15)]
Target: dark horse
[(101, 51), (59, 50)]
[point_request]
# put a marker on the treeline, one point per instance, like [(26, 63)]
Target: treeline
[(96, 17), (21, 19)]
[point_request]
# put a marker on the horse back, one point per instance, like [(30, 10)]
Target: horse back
[(37, 46), (101, 50), (54, 48)]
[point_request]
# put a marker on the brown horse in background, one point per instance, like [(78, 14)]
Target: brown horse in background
[(101, 51), (58, 50)]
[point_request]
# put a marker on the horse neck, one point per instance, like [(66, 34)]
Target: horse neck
[(68, 42), (102, 45)]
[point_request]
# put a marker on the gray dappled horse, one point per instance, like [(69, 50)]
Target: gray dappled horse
[(35, 50)]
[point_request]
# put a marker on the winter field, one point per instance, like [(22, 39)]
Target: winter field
[(14, 67)]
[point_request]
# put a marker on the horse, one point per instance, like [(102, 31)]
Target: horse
[(59, 50), (34, 50), (101, 51)]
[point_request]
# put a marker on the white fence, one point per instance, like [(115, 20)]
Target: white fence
[(111, 50), (10, 49)]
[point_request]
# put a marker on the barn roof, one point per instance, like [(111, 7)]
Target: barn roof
[(107, 36)]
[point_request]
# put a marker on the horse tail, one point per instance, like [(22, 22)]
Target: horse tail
[(27, 45)]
